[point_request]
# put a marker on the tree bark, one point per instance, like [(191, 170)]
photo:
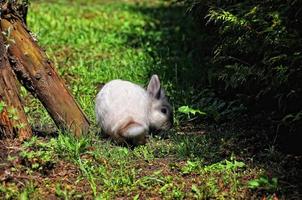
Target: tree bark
[(13, 121), (37, 73)]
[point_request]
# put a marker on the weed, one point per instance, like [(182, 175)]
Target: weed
[(64, 193), (27, 191), (2, 106), (263, 182), (92, 42), (38, 155), (188, 113), (70, 146)]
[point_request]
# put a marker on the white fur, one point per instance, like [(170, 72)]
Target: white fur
[(135, 131), (119, 101), (126, 110)]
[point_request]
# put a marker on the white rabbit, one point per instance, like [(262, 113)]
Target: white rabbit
[(126, 112)]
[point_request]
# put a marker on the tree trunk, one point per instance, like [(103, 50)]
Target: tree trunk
[(13, 122), (37, 73)]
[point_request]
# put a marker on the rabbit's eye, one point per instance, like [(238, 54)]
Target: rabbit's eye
[(164, 110)]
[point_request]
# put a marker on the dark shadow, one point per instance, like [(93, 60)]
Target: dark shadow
[(181, 57), (215, 143), (45, 131), (177, 49)]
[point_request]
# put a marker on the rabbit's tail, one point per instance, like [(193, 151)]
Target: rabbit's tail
[(132, 129)]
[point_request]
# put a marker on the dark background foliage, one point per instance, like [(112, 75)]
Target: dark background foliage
[(254, 59)]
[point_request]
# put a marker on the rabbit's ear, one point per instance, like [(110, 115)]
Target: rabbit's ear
[(154, 87)]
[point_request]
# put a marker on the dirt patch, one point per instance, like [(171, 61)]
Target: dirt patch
[(16, 175)]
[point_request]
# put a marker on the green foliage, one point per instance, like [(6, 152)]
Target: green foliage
[(113, 171), (225, 165), (188, 111), (189, 146), (190, 167), (256, 57), (13, 113), (218, 108), (92, 42), (264, 183), (38, 155), (12, 191), (61, 192), (71, 147), (2, 106)]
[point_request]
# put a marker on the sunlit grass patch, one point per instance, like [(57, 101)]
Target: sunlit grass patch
[(99, 168), (92, 42), (88, 44)]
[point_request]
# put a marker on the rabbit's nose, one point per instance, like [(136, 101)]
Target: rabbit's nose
[(155, 131)]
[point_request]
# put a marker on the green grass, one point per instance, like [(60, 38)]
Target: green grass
[(92, 42), (158, 169), (88, 44)]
